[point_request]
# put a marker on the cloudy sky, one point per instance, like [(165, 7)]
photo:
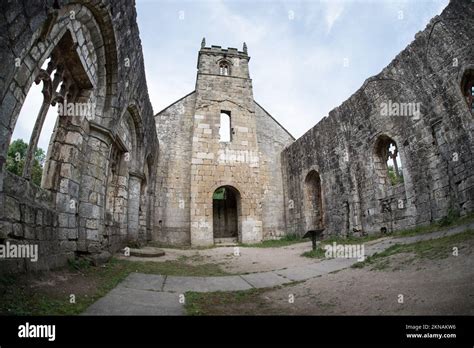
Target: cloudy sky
[(298, 49)]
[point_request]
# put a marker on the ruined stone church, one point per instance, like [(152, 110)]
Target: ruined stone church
[(215, 166)]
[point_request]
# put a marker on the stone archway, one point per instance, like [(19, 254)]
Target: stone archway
[(226, 213), (313, 202)]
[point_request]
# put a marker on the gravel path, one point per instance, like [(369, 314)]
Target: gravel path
[(145, 294)]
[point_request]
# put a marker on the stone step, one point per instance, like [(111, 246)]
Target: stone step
[(225, 241)]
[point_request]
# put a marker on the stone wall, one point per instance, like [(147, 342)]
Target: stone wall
[(82, 206), (272, 139), (435, 146), (174, 126), (119, 175)]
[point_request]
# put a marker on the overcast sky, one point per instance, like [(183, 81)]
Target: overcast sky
[(297, 49)]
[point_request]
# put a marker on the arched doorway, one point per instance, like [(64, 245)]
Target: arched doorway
[(313, 201), (226, 213)]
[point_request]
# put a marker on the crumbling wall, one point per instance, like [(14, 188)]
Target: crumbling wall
[(67, 216), (435, 145)]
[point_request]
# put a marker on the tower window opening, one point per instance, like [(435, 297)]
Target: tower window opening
[(225, 131), (224, 68)]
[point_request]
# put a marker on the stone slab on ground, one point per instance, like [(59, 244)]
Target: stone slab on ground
[(141, 281), (205, 284), (126, 301), (147, 252), (265, 279)]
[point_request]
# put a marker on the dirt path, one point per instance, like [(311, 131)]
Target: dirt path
[(250, 260), (429, 287)]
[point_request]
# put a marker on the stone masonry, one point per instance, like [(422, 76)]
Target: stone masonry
[(120, 175), (435, 145), (194, 162), (98, 164)]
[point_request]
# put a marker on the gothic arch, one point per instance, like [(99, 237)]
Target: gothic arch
[(224, 66), (95, 48), (313, 201), (384, 149)]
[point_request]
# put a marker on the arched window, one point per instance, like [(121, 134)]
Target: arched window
[(387, 162), (467, 86), (224, 68), (225, 130), (65, 93)]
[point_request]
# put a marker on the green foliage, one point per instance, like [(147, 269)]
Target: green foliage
[(219, 194), (450, 218), (16, 160), (394, 178), (319, 253), (79, 264)]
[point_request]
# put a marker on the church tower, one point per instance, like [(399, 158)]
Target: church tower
[(220, 175), (226, 197)]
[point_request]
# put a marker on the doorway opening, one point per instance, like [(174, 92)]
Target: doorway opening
[(225, 213)]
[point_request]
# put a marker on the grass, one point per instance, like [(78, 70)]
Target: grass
[(276, 243), (244, 302), (219, 302), (319, 253), (88, 283), (451, 220), (430, 249)]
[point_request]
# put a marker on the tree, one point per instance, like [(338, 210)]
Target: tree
[(394, 177), (16, 160)]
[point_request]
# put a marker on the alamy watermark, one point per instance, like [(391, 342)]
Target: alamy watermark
[(76, 109), (345, 251), (391, 108), (19, 251), (37, 331)]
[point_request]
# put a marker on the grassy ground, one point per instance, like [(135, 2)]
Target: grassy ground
[(215, 303), (248, 302), (49, 293), (449, 221), (275, 243), (431, 249), (319, 253), (256, 301)]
